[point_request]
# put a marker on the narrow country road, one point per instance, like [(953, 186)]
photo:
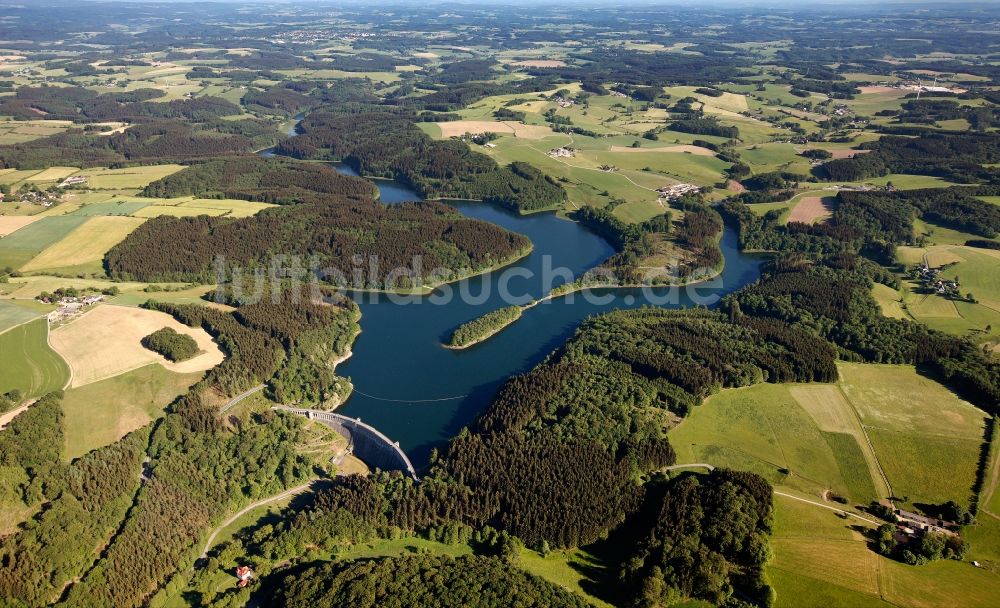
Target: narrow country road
[(7, 417), (232, 402), (819, 504), (691, 465), (702, 465), (250, 507)]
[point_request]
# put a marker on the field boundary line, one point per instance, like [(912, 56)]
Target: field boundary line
[(48, 341), (992, 474), (831, 508), (871, 446)]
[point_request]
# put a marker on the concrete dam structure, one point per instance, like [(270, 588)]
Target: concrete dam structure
[(364, 441)]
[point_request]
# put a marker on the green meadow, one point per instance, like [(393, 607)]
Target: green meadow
[(842, 438), (18, 248), (30, 365), (101, 413)]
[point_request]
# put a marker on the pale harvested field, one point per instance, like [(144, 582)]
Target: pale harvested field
[(87, 243), (827, 406), (878, 90), (837, 154), (682, 149), (939, 255), (542, 63), (53, 174), (10, 223), (727, 101), (811, 209), (457, 128), (425, 55), (106, 341)]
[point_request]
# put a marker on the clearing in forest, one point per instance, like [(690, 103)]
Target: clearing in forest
[(457, 128), (812, 209)]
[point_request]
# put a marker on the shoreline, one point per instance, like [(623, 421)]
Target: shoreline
[(577, 288), (428, 289), (519, 309)]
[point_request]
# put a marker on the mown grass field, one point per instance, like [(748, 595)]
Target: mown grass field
[(925, 437), (19, 247), (84, 248), (111, 207), (103, 412), (12, 315), (16, 132), (29, 287), (187, 207), (30, 365), (890, 301), (765, 429), (53, 174), (15, 176), (814, 438), (130, 177), (637, 176), (823, 560), (564, 568)]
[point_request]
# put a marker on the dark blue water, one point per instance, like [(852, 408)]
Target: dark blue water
[(419, 393)]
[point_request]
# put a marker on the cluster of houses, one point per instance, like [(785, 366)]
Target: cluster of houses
[(676, 191), (45, 199), (562, 153), (69, 306), (930, 278), (911, 526), (562, 102)]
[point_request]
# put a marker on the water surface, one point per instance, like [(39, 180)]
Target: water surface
[(420, 393)]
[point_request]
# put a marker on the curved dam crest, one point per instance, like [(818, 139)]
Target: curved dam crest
[(364, 441)]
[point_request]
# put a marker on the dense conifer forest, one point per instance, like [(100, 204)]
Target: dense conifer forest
[(427, 580), (567, 478), (380, 144), (400, 247)]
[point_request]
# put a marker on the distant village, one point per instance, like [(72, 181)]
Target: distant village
[(34, 197), (676, 191), (930, 279)]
